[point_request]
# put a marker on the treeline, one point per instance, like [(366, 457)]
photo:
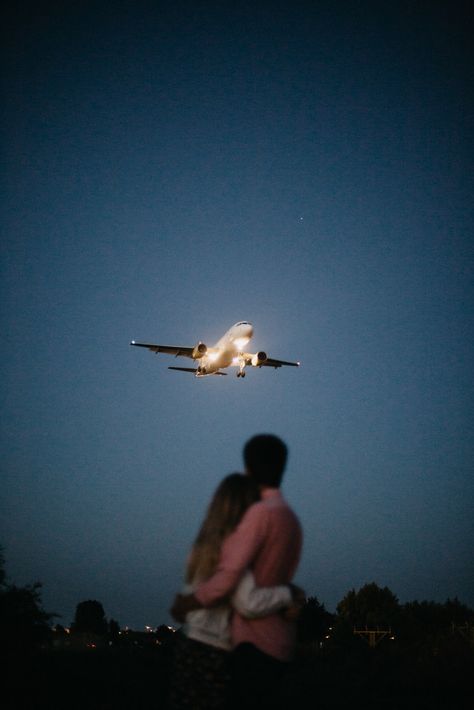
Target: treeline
[(373, 652), (25, 624), (374, 613)]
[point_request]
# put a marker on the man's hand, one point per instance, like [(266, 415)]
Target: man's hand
[(182, 605)]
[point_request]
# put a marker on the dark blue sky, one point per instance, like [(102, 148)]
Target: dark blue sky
[(170, 168)]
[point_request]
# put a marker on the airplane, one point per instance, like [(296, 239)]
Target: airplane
[(228, 351)]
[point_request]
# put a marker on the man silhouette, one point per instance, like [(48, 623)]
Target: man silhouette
[(268, 541)]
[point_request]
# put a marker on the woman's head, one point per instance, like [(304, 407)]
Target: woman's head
[(231, 499)]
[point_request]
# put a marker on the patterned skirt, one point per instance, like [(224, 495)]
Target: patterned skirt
[(200, 677)]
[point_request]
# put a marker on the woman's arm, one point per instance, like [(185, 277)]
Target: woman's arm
[(253, 602)]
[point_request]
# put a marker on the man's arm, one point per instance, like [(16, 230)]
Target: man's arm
[(254, 602)]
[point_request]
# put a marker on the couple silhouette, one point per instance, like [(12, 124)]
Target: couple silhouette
[(238, 606)]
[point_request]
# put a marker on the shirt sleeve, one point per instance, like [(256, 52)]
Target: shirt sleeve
[(237, 554), (253, 602)]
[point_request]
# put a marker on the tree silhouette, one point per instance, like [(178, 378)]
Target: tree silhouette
[(3, 575), (23, 621), (114, 628), (314, 621), (371, 606), (90, 618), (426, 620)]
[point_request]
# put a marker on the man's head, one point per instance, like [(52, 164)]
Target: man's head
[(265, 459)]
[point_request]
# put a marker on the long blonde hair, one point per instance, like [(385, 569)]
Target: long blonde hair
[(233, 496)]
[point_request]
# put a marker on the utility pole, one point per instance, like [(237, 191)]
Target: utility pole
[(373, 636)]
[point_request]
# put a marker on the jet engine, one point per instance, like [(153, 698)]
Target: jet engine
[(199, 351), (259, 359)]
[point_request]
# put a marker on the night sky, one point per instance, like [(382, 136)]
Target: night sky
[(170, 168)]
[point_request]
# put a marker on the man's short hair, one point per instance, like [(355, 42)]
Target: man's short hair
[(265, 459)]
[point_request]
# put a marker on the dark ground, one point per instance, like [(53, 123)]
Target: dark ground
[(342, 677)]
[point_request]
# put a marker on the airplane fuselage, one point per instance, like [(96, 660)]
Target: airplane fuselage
[(227, 351)]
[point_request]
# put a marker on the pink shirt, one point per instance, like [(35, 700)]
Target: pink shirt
[(268, 541)]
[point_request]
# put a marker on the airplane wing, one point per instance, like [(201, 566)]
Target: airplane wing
[(267, 362), (168, 349), (270, 362), (192, 369)]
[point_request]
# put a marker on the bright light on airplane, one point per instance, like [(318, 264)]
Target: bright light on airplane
[(228, 351)]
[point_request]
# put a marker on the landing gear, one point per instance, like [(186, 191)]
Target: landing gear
[(242, 362)]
